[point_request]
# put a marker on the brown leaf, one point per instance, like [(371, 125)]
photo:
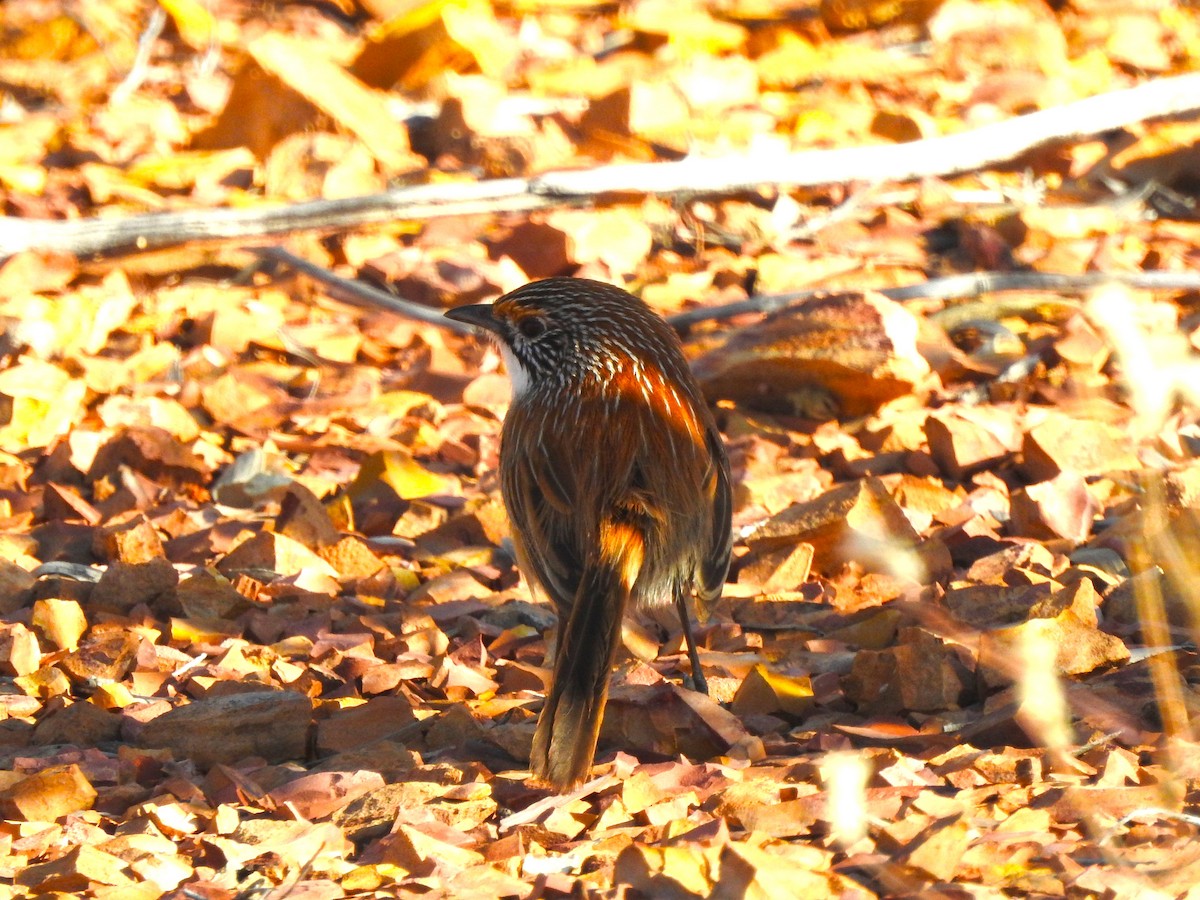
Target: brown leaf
[(424, 853), (48, 794), (857, 521), (311, 164), (36, 272), (539, 248), (1060, 508), (83, 868), (298, 845), (781, 569), (1077, 803), (351, 558), (60, 622), (124, 585), (939, 854), (82, 723), (274, 554), (921, 674), (764, 691), (270, 724), (459, 806), (44, 683), (838, 355), (673, 873), (152, 451), (667, 720), (42, 403), (420, 44), (208, 595), (1079, 646), (245, 402), (132, 541), (379, 717), (61, 502), (1062, 443), (320, 794), (619, 238), (16, 587), (19, 650), (964, 440), (303, 518), (777, 869), (858, 15)]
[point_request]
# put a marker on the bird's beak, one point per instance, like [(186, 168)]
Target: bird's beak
[(479, 315)]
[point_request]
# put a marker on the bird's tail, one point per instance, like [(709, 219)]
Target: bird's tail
[(569, 725)]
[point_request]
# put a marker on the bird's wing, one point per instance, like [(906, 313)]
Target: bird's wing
[(716, 561)]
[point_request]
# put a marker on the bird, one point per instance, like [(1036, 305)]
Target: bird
[(616, 482)]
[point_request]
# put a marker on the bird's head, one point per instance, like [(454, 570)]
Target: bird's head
[(570, 331)]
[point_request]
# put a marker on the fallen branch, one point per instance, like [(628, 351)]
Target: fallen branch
[(956, 287), (950, 155), (989, 145), (154, 231)]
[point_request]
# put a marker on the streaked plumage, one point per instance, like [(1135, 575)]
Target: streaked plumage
[(615, 479)]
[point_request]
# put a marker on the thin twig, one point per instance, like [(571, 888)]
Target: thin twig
[(956, 287), (975, 394), (974, 284), (1150, 814), (359, 293), (951, 287), (141, 60)]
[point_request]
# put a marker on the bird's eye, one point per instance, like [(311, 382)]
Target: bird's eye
[(532, 327)]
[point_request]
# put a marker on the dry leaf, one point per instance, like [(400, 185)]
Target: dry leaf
[(837, 355), (271, 724)]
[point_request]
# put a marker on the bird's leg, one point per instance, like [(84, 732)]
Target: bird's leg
[(698, 682)]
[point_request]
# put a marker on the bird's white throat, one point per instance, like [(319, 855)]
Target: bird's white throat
[(517, 373)]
